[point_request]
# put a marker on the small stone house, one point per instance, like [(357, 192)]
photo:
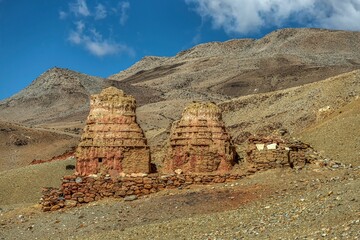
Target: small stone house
[(274, 151)]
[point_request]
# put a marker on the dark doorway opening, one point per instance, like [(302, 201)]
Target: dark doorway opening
[(100, 159)]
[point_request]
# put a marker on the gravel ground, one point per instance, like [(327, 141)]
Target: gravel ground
[(276, 204)]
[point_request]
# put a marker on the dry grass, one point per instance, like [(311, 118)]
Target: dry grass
[(23, 185), (338, 136)]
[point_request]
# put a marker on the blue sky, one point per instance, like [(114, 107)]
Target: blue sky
[(101, 38)]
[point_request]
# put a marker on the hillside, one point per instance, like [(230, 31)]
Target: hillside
[(282, 59), (291, 110), (23, 184), (338, 135), (20, 145)]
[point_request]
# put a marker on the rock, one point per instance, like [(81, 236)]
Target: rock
[(88, 199), (130, 198), (78, 195), (120, 193), (46, 209), (335, 166), (78, 180), (55, 207), (112, 139), (272, 146), (260, 146), (70, 203), (138, 175), (21, 218), (199, 141), (178, 171)]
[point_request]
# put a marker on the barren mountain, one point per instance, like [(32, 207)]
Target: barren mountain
[(61, 95), (282, 59)]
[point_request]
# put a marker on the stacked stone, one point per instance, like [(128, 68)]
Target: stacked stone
[(199, 142), (77, 190), (112, 141), (272, 152)]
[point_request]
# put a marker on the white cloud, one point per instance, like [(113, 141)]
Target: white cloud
[(124, 6), (87, 32), (80, 25), (100, 12), (343, 15), (102, 48), (75, 37), (93, 41), (246, 16), (80, 8), (62, 15)]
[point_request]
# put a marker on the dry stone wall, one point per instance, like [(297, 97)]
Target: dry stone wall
[(78, 190), (199, 142), (112, 141)]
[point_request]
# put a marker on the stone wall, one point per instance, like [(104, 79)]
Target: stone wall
[(79, 190), (199, 142), (112, 141), (273, 151)]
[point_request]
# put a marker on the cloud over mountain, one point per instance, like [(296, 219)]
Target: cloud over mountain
[(249, 16)]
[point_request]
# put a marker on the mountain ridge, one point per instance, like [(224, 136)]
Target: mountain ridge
[(281, 59)]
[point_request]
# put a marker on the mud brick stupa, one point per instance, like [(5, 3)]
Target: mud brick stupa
[(199, 142), (112, 141)]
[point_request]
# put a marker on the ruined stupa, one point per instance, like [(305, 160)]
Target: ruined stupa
[(112, 141), (199, 142)]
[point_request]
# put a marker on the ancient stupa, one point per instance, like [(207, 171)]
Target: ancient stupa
[(199, 142), (112, 141)]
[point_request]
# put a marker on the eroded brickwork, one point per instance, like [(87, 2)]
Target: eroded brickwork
[(112, 141), (199, 142)]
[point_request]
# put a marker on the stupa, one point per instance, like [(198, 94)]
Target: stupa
[(112, 142), (199, 142)]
